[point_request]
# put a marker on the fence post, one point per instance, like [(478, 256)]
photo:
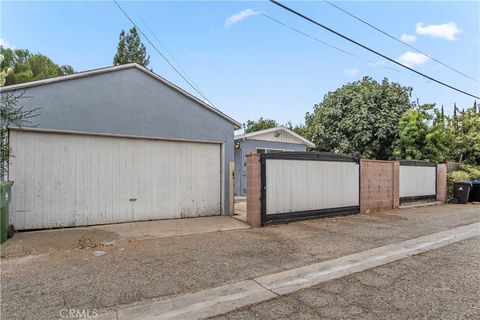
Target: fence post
[(231, 188), (442, 182), (254, 185), (396, 185)]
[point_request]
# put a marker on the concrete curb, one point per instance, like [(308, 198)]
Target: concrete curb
[(420, 204), (227, 298)]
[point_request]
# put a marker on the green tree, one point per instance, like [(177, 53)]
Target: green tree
[(299, 129), (424, 134), (260, 124), (359, 118), (121, 55), (12, 112), (131, 49), (466, 141), (66, 69), (4, 72), (26, 66)]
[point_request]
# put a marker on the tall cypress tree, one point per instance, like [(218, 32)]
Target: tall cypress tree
[(455, 119), (121, 54), (131, 49)]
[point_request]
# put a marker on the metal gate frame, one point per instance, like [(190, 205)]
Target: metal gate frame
[(419, 163), (308, 214)]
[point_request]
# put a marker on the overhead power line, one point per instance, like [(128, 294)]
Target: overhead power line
[(163, 56), (369, 49), (398, 40), (166, 50), (335, 47)]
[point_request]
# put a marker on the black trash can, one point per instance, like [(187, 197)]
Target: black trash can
[(461, 191), (474, 191)]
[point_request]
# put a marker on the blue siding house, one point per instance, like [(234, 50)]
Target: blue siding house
[(117, 144), (279, 139)]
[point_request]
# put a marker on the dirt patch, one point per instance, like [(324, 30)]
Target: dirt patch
[(40, 242), (394, 215)]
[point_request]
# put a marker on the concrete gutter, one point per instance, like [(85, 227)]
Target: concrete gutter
[(420, 204), (227, 298)]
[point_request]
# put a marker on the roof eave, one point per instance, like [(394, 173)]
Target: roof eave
[(89, 73), (283, 128)]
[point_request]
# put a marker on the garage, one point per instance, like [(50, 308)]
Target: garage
[(118, 144), (77, 180)]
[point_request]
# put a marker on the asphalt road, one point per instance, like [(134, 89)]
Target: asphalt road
[(37, 282), (440, 284)]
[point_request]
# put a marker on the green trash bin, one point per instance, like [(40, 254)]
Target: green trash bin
[(5, 191)]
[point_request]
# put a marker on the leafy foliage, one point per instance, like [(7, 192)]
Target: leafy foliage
[(466, 172), (466, 141), (22, 66), (299, 129), (454, 177), (472, 171), (12, 112), (4, 72), (260, 124), (131, 49), (424, 134), (361, 117)]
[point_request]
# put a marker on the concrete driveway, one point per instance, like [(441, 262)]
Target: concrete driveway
[(39, 285), (44, 241), (240, 207)]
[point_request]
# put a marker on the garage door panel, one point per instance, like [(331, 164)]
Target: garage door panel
[(72, 180)]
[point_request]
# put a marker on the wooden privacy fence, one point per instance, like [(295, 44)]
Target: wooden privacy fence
[(298, 185)]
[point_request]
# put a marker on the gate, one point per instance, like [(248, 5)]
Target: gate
[(418, 181), (300, 185)]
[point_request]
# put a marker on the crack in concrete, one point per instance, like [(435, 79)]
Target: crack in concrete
[(261, 285)]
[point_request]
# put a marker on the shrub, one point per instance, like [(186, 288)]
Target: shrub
[(454, 177), (465, 172), (473, 171)]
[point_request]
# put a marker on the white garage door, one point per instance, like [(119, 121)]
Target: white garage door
[(63, 179)]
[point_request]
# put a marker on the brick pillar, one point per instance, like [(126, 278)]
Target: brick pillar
[(379, 185), (442, 182), (254, 185)]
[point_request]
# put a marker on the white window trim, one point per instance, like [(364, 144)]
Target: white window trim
[(271, 149)]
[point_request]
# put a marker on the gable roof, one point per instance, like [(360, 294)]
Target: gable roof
[(95, 72), (280, 128)]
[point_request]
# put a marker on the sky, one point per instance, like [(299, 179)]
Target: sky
[(249, 66)]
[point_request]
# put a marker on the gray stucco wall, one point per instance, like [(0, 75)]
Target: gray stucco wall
[(251, 145), (239, 164), (129, 102)]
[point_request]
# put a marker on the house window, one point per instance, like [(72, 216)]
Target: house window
[(267, 150)]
